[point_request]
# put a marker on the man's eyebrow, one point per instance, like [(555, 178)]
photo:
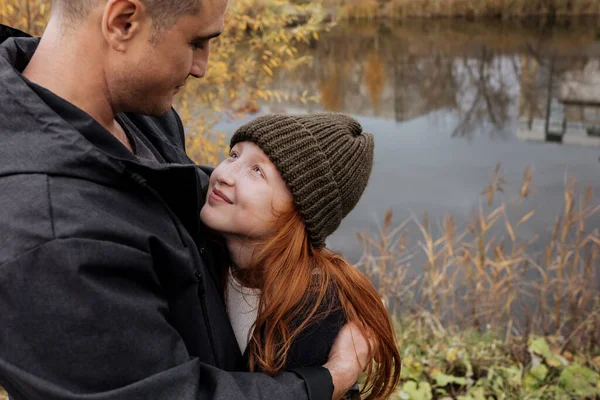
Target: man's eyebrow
[(207, 37)]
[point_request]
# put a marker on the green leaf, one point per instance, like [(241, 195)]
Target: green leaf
[(541, 347), (579, 381), (512, 375), (412, 391), (477, 393), (556, 361), (498, 383), (452, 354), (540, 372), (530, 382), (442, 379)]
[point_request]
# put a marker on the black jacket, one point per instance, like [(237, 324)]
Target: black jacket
[(107, 289)]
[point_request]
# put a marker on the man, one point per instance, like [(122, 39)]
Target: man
[(107, 289)]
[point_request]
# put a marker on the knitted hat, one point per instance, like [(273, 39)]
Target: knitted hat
[(325, 160)]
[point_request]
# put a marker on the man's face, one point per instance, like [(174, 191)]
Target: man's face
[(154, 67)]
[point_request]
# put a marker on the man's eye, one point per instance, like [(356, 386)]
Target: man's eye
[(233, 155), (198, 46)]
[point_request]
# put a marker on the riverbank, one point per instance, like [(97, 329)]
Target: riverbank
[(502, 9)]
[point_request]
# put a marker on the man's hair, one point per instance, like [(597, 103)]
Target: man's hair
[(72, 10), (164, 13)]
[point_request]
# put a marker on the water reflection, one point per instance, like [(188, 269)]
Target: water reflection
[(486, 74), (560, 100)]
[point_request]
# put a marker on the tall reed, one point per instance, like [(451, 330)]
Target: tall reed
[(487, 275)]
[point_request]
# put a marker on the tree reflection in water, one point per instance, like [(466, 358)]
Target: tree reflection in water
[(485, 75)]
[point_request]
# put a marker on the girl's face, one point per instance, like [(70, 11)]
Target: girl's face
[(245, 195)]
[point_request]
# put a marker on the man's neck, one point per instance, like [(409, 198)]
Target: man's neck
[(67, 67)]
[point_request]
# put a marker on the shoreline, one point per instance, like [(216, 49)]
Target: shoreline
[(465, 17), (463, 9)]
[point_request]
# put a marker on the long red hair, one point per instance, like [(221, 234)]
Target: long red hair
[(284, 270)]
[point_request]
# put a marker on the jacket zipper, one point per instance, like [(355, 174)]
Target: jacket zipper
[(201, 293)]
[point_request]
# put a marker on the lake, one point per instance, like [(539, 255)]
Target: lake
[(449, 100)]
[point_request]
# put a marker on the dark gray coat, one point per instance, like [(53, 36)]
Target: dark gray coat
[(107, 288)]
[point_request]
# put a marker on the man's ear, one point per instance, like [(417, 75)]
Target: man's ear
[(122, 20)]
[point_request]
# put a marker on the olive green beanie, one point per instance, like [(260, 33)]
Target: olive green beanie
[(325, 160)]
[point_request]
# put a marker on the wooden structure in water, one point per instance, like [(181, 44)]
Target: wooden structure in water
[(569, 110)]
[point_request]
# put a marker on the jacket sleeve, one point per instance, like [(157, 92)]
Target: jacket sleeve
[(83, 318)]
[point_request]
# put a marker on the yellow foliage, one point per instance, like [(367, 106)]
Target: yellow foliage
[(331, 79), (374, 77), (331, 96), (28, 15)]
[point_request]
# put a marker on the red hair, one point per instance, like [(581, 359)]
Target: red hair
[(284, 270)]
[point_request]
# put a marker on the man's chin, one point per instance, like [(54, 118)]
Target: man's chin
[(161, 110), (155, 109)]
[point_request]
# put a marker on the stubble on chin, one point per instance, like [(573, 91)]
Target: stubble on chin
[(134, 98), (154, 106)]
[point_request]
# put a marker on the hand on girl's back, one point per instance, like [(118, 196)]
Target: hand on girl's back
[(350, 354)]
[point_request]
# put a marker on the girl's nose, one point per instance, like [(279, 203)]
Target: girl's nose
[(225, 175)]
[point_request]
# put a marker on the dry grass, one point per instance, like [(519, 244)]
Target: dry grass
[(486, 276), (401, 9)]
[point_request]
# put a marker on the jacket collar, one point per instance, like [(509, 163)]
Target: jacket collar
[(34, 138), (8, 32)]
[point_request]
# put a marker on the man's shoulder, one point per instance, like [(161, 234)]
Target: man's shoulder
[(25, 214)]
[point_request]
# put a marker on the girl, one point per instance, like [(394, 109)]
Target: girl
[(287, 184)]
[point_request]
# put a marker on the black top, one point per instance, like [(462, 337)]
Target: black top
[(314, 343)]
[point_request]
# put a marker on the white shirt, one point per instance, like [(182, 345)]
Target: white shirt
[(242, 308)]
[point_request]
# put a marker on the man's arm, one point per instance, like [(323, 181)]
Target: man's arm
[(83, 318)]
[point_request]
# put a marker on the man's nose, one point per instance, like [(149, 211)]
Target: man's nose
[(200, 64)]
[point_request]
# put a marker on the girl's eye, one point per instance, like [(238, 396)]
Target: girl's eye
[(234, 155), (257, 170)]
